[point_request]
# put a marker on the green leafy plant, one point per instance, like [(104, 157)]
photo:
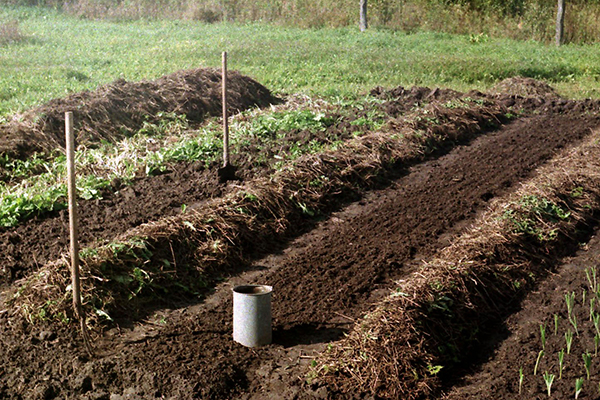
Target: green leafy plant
[(561, 359), (521, 378), (570, 302), (548, 379), (537, 362), (578, 387), (543, 335), (591, 275), (569, 340), (587, 361)]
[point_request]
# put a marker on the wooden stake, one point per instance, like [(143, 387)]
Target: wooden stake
[(225, 122), (74, 229)]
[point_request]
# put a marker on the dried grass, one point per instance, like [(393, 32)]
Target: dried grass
[(10, 32), (215, 238), (121, 108), (437, 314)]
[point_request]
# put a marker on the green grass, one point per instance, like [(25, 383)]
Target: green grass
[(63, 54)]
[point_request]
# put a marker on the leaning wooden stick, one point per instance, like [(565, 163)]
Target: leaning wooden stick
[(225, 116), (74, 230)]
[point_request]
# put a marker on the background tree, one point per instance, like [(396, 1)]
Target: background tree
[(363, 15), (560, 22)]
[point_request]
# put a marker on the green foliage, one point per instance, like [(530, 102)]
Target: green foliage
[(280, 124), (531, 216), (323, 61)]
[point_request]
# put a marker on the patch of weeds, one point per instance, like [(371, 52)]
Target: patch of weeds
[(164, 123), (279, 124), (532, 215)]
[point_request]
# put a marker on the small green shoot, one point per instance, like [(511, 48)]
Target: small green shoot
[(521, 378), (587, 361), (569, 340), (596, 319), (537, 362), (570, 301), (591, 275), (596, 342), (574, 323), (549, 379), (578, 387), (561, 360), (543, 335)]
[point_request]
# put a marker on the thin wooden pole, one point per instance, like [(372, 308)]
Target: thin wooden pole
[(73, 217), (225, 121), (74, 229)]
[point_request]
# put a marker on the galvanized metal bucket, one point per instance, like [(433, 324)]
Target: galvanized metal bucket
[(252, 315)]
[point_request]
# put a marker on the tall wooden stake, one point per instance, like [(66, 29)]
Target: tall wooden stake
[(225, 122), (74, 229)]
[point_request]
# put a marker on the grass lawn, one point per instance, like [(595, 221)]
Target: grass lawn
[(62, 54)]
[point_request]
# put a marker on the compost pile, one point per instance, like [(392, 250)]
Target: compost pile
[(121, 108), (428, 206)]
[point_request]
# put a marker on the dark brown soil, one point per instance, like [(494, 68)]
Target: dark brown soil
[(322, 283), (147, 199), (498, 377), (121, 108)]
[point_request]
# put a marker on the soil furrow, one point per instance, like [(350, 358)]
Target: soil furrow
[(327, 282), (498, 377)]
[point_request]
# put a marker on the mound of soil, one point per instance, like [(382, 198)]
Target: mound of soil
[(401, 100), (523, 87), (121, 108)]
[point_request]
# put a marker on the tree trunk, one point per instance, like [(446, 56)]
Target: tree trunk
[(560, 22), (363, 15)]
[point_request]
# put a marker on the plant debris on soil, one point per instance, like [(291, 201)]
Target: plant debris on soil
[(439, 161), (121, 108)]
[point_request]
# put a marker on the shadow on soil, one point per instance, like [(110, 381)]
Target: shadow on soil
[(308, 334)]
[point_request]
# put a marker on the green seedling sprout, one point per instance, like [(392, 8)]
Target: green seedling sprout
[(569, 340), (591, 275), (596, 319), (549, 379), (583, 296), (596, 342), (561, 359), (570, 301), (587, 361), (592, 309), (537, 362), (521, 377), (555, 324), (578, 387), (574, 323), (543, 335)]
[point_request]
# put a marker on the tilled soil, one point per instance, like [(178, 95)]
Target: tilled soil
[(322, 283), (498, 377)]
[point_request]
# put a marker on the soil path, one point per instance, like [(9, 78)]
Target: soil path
[(498, 378), (332, 274), (322, 282)]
